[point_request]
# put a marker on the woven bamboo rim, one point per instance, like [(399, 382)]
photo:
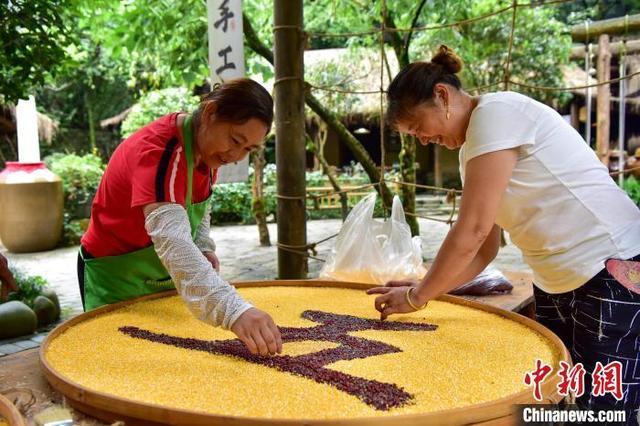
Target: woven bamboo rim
[(113, 408), (10, 413)]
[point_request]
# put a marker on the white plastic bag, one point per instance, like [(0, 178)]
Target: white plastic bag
[(371, 251)]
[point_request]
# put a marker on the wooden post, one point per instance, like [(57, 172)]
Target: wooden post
[(603, 101), (290, 149), (575, 115)]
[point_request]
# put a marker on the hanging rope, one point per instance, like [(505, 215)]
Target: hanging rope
[(507, 64)]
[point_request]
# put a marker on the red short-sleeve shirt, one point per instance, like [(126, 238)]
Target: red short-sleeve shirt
[(147, 167)]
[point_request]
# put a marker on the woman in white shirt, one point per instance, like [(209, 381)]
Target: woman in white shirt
[(524, 169)]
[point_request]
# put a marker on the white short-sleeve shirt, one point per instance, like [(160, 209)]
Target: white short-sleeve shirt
[(561, 208)]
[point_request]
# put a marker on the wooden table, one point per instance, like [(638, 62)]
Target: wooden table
[(22, 370)]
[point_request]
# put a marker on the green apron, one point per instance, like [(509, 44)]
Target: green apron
[(112, 279)]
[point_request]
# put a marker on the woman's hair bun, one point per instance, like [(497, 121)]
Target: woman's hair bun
[(448, 59)]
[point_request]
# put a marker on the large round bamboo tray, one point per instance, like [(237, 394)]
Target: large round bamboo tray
[(112, 408), (10, 413)]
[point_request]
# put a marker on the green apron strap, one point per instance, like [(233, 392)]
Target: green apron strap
[(187, 137)]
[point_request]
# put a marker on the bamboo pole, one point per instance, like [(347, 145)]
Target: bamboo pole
[(290, 131), (258, 205), (603, 100), (612, 26)]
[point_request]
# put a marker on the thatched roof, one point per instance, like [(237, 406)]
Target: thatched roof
[(353, 69), (47, 127), (116, 120)]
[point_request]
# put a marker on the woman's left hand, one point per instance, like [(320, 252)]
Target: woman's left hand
[(393, 298), (213, 259)]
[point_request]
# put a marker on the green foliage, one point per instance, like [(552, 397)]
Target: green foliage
[(578, 11), (80, 179), (632, 187), (155, 104), (536, 58), (29, 287), (73, 230), (33, 36)]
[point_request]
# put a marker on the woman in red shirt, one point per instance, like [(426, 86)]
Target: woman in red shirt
[(149, 227)]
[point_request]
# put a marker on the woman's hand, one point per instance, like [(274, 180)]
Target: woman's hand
[(213, 259), (258, 332), (393, 298)]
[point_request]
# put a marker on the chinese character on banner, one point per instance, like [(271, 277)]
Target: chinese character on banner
[(226, 39), (536, 377), (226, 64), (572, 379), (225, 15), (607, 379), (226, 61)]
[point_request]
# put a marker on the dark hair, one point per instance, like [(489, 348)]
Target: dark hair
[(237, 101), (415, 83)]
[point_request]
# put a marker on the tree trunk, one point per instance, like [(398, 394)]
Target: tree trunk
[(258, 204), (92, 125), (290, 133), (408, 173)]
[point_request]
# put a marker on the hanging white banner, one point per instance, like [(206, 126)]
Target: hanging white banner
[(226, 61)]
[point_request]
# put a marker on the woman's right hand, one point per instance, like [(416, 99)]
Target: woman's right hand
[(258, 332)]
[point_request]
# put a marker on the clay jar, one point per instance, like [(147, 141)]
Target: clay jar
[(31, 207)]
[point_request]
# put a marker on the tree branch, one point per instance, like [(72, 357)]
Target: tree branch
[(396, 41), (254, 42), (414, 22)]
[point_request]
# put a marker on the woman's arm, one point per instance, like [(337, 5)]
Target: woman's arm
[(209, 297), (486, 179)]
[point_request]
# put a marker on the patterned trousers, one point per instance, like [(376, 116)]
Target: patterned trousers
[(599, 322)]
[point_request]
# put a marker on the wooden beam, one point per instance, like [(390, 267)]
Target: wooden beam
[(604, 100), (290, 132), (632, 46), (620, 25)]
